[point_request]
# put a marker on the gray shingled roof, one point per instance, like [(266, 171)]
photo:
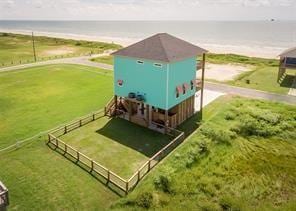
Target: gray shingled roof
[(161, 47), (289, 53)]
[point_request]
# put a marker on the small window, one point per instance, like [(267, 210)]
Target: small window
[(157, 65), (140, 62), (184, 90), (177, 95), (192, 84)]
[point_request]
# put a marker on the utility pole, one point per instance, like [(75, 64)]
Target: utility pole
[(34, 51)]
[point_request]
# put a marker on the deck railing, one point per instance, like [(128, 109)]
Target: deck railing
[(107, 174), (4, 199)]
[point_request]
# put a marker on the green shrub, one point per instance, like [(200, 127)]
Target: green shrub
[(145, 200), (78, 43), (230, 116), (218, 135), (203, 147), (163, 182), (5, 34), (229, 203)]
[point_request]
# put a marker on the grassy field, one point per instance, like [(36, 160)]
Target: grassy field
[(15, 48), (103, 59), (262, 77), (115, 144), (241, 158), (40, 98)]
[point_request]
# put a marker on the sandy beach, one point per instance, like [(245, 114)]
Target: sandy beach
[(253, 51)]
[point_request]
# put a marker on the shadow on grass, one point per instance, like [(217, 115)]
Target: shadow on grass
[(95, 175), (287, 81), (191, 124), (141, 139)]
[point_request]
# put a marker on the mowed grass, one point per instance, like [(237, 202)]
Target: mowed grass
[(15, 48), (37, 99), (263, 75), (103, 59), (39, 178), (40, 98), (117, 144), (241, 158)]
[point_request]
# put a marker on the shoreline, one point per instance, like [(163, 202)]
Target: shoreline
[(251, 51)]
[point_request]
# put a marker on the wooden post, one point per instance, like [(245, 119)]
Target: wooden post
[(65, 129), (66, 148), (149, 165), (108, 176), (147, 115), (139, 176), (80, 123), (34, 51), (166, 121), (202, 83), (77, 155), (49, 138), (126, 187), (115, 104), (130, 111), (92, 166)]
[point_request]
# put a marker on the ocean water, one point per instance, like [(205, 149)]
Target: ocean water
[(262, 37)]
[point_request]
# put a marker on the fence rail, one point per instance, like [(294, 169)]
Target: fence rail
[(108, 175), (4, 199), (77, 123)]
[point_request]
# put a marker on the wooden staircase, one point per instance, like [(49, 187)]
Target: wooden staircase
[(110, 108)]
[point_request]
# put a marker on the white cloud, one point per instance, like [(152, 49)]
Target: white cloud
[(148, 9)]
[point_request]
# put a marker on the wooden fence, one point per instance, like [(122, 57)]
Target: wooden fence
[(77, 123), (4, 199), (111, 177)]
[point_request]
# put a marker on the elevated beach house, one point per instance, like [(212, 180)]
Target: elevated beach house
[(155, 81), (287, 61)]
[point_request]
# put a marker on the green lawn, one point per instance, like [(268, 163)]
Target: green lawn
[(37, 99), (262, 77), (241, 158), (103, 59), (15, 48), (117, 144)]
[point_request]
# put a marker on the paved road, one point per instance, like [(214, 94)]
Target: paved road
[(83, 60), (251, 93)]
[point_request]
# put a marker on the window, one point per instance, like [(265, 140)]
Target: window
[(192, 83), (140, 62), (185, 88), (157, 65), (178, 91)]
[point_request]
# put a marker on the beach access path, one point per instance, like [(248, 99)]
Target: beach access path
[(212, 86)]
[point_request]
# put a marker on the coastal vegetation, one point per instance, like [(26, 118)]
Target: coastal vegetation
[(241, 158), (103, 59), (18, 49), (227, 163), (263, 74)]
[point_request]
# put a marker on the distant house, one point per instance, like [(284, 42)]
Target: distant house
[(155, 81), (287, 61)]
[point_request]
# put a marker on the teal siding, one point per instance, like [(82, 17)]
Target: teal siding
[(145, 79), (151, 81), (179, 73)]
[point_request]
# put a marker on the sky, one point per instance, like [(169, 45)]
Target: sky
[(147, 9)]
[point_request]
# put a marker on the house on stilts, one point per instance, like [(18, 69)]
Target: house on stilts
[(287, 61), (155, 82)]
